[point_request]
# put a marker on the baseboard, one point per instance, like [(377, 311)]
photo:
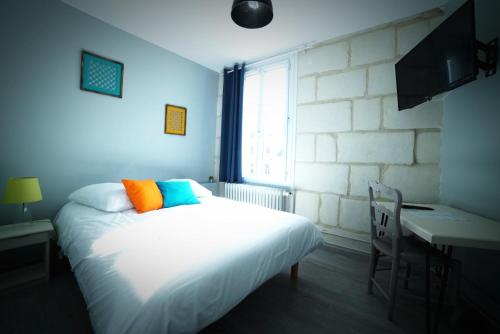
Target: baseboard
[(346, 243), (343, 250)]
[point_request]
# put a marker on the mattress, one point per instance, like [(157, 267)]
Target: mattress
[(179, 269)]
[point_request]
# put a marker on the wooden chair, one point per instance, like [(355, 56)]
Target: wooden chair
[(387, 240)]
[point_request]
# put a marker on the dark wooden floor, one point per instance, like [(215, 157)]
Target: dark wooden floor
[(329, 297)]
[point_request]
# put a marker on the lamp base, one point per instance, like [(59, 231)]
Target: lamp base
[(23, 213)]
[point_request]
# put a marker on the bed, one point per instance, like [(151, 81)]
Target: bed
[(179, 269)]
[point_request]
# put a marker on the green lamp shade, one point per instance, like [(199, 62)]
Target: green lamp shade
[(22, 190)]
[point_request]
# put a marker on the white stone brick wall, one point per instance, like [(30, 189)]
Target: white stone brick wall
[(326, 149), (382, 79), (373, 46), (425, 116), (320, 118), (306, 90), (305, 146), (349, 130), (366, 114), (322, 177), (329, 209), (342, 85), (411, 34), (324, 58), (419, 183), (354, 215), (307, 205), (381, 147), (360, 175), (428, 147)]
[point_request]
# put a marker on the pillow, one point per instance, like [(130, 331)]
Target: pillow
[(144, 194), (177, 193), (110, 197), (198, 189)]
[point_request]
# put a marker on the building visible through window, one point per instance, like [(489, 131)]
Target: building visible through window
[(268, 115)]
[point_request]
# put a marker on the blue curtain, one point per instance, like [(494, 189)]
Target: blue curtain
[(232, 122)]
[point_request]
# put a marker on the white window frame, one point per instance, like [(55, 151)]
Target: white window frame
[(250, 69)]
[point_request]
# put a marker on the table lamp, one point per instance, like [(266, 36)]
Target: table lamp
[(22, 190)]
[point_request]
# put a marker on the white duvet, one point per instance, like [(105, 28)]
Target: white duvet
[(177, 270)]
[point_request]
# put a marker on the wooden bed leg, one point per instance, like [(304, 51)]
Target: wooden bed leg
[(294, 271)]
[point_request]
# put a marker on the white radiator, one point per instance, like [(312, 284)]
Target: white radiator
[(269, 197)]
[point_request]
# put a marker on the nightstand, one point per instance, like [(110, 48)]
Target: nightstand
[(25, 234), (212, 186)]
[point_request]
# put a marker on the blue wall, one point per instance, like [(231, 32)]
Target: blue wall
[(470, 163), (67, 137)]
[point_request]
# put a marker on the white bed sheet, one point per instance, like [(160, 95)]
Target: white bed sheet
[(177, 270)]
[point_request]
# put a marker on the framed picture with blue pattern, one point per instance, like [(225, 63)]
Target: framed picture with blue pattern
[(101, 75)]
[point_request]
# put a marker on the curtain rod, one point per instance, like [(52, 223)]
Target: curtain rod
[(289, 52)]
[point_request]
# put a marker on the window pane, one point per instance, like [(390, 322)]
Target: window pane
[(274, 121), (251, 98), (265, 120)]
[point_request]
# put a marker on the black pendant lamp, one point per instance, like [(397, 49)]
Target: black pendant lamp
[(252, 14)]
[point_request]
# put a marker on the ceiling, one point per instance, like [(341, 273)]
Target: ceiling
[(202, 30)]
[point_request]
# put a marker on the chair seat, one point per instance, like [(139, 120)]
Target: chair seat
[(412, 250)]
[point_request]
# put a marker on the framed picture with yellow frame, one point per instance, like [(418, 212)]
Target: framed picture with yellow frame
[(175, 120)]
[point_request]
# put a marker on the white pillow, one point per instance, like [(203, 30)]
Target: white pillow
[(110, 197), (198, 189)]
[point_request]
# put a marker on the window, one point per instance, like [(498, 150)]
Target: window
[(268, 116)]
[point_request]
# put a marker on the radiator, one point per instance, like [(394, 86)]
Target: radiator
[(269, 197)]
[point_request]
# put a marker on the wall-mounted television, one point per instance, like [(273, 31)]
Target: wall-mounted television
[(444, 60)]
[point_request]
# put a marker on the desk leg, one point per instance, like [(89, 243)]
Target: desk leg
[(47, 260), (427, 292), (442, 291), (456, 302), (294, 271)]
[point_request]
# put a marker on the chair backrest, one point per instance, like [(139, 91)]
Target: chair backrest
[(385, 222)]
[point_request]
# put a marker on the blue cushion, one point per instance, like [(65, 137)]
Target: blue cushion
[(176, 193)]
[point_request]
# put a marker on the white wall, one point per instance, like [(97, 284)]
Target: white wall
[(69, 138), (470, 178)]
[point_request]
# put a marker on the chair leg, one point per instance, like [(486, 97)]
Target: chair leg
[(427, 293), (373, 267), (408, 273), (393, 287)]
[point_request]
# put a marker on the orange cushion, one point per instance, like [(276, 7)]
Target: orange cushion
[(144, 194)]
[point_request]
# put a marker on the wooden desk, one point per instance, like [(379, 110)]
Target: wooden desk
[(452, 227)]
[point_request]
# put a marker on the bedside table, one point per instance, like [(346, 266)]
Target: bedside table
[(212, 186), (25, 234)]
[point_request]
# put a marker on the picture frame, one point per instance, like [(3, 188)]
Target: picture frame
[(175, 120), (101, 75)]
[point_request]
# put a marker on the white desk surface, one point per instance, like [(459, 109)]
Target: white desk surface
[(23, 229), (452, 227)]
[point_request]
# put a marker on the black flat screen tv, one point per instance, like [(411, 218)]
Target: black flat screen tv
[(444, 60)]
